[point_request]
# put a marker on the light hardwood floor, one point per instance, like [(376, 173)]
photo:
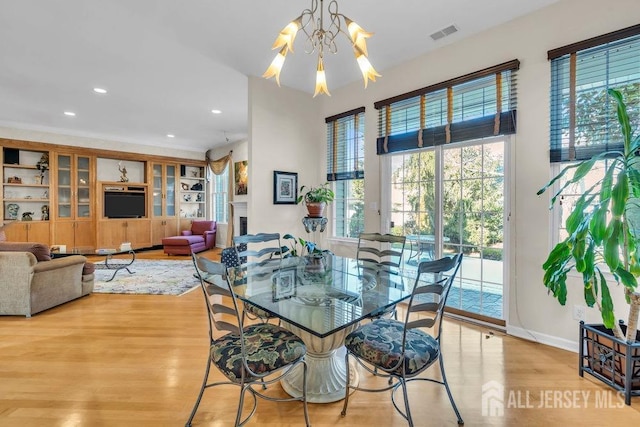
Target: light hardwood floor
[(138, 360)]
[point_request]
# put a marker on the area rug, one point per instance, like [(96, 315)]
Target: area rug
[(149, 277)]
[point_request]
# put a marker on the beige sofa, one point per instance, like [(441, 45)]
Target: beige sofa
[(30, 281)]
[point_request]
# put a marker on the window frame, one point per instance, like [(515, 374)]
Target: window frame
[(567, 56), (347, 202), (418, 107), (225, 193), (345, 162), (580, 70)]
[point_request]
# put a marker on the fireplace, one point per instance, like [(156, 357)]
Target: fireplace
[(243, 225), (240, 218)]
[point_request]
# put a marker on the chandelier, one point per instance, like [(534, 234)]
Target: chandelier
[(321, 39)]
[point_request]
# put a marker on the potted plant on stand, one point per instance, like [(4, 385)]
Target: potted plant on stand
[(603, 230), (316, 199)]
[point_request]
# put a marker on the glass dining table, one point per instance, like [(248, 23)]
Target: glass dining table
[(322, 300)]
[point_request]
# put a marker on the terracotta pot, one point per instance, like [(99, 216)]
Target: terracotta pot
[(316, 210)]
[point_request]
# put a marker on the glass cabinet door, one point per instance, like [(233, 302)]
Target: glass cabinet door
[(171, 190), (64, 187), (157, 190), (83, 192)]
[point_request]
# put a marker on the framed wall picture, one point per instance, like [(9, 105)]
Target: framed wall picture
[(285, 188), (241, 177)]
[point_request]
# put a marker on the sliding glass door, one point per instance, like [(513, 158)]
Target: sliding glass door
[(452, 199)]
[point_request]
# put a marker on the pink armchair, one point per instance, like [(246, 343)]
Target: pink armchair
[(201, 237)]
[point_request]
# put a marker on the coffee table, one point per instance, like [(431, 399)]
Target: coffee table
[(119, 264), (110, 263)]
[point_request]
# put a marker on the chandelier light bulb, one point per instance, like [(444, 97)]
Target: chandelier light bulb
[(321, 79), (288, 34), (368, 72), (358, 35), (276, 65)]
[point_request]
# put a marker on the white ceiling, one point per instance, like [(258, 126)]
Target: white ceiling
[(167, 63)]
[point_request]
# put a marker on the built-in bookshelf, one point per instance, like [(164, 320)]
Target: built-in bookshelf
[(25, 185), (192, 192)]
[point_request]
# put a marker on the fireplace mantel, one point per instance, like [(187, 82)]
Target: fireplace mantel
[(239, 210)]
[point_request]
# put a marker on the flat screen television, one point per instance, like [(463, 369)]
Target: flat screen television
[(124, 205)]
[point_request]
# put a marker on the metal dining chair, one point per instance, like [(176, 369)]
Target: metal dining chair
[(247, 355), (246, 251), (402, 350), (383, 249), (246, 247), (381, 253)]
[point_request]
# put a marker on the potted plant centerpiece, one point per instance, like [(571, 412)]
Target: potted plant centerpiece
[(306, 247), (316, 199), (603, 245)]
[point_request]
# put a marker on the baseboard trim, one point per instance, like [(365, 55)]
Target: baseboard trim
[(541, 338)]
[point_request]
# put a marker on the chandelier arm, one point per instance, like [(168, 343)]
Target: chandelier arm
[(309, 45), (330, 42)]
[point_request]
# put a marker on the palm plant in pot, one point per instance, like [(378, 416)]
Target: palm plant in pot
[(316, 199), (602, 230)]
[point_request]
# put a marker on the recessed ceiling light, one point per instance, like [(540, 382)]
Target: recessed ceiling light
[(99, 90), (170, 135), (216, 111), (69, 113)]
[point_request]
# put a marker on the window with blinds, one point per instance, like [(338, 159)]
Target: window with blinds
[(345, 145), (583, 119), (477, 105), (219, 196), (345, 166)]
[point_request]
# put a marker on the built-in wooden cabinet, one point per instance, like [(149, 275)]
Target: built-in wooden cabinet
[(113, 232), (164, 220), (123, 215), (74, 207), (77, 236), (64, 192), (28, 231), (161, 228)]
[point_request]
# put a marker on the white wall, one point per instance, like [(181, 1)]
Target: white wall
[(532, 313), (286, 133)]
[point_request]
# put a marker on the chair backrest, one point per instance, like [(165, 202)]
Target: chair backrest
[(214, 285), (383, 249), (229, 257), (215, 282), (244, 247), (430, 293), (199, 227)]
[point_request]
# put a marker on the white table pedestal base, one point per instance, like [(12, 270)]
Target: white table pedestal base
[(326, 370)]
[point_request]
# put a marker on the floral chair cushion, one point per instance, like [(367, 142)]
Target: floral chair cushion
[(380, 343), (268, 347), (257, 312)]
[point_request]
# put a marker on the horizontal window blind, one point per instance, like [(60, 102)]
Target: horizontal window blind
[(345, 145), (477, 105), (583, 120)]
